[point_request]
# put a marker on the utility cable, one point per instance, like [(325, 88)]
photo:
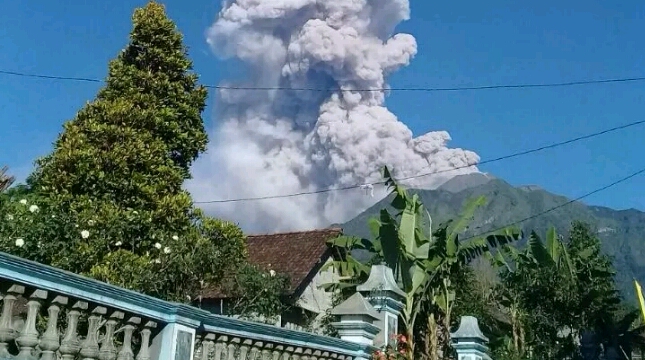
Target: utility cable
[(542, 213), (505, 157), (418, 89)]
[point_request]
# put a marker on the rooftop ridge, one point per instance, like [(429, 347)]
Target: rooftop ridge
[(334, 229)]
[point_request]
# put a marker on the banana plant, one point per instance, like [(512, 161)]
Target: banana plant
[(550, 253), (419, 257), (449, 253)]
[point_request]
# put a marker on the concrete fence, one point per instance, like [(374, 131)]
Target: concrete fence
[(51, 314)]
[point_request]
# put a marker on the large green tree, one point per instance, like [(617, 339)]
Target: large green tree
[(555, 290), (119, 165), (108, 201), (131, 147)]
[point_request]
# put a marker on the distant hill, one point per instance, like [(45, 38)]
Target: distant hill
[(622, 231)]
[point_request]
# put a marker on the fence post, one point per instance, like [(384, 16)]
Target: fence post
[(356, 323), (176, 340), (387, 298), (469, 342)]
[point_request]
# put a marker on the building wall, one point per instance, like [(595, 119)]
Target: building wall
[(310, 307), (316, 300)]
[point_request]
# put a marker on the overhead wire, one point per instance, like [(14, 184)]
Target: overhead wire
[(569, 202), (488, 161), (423, 89), (418, 89)]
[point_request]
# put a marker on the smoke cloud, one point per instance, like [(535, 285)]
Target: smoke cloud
[(274, 142)]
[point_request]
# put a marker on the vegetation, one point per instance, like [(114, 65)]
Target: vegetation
[(257, 295), (544, 294), (425, 262), (5, 179), (620, 231), (108, 201)]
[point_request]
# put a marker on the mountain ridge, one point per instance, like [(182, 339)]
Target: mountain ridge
[(621, 231)]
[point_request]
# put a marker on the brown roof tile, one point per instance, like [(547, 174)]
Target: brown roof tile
[(294, 254)]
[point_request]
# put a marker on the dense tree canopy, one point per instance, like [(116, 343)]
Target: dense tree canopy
[(108, 201), (534, 301)]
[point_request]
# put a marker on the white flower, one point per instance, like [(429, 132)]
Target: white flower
[(20, 242), (175, 237), (118, 243), (9, 217), (53, 216), (90, 223), (272, 272), (166, 250), (33, 208), (157, 245), (23, 201), (157, 261), (85, 234)]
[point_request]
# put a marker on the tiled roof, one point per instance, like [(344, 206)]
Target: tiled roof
[(294, 254)]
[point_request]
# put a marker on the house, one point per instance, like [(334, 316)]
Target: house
[(300, 256)]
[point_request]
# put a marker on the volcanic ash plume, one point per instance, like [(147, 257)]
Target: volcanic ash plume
[(274, 142)]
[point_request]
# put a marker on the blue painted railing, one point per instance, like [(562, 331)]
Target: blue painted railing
[(161, 330)]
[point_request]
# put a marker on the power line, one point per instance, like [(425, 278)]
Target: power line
[(505, 157), (621, 180), (418, 89)]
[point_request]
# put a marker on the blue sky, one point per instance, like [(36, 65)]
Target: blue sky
[(461, 43)]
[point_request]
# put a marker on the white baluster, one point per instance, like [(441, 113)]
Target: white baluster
[(232, 349), (90, 346), (126, 352), (7, 332), (29, 336), (208, 344), (244, 349), (108, 350), (50, 341), (70, 345), (144, 350)]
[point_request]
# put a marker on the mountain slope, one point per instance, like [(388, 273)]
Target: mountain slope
[(622, 231)]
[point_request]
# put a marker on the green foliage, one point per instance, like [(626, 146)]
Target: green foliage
[(108, 201), (135, 142), (257, 294), (620, 231), (423, 261), (173, 267), (126, 154), (117, 170), (5, 179), (554, 291), (542, 294)]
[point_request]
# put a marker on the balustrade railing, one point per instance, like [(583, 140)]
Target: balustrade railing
[(51, 314)]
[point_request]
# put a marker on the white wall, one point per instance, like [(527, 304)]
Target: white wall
[(314, 298)]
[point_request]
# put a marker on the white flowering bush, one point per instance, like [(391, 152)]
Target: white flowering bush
[(257, 293), (111, 202), (27, 231), (110, 246)]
